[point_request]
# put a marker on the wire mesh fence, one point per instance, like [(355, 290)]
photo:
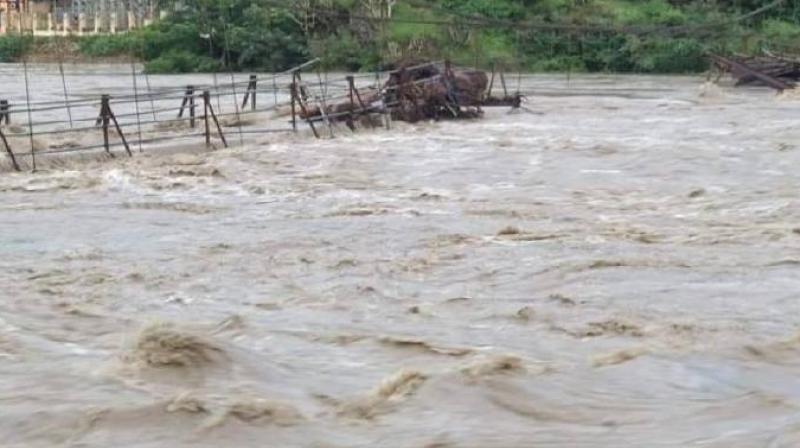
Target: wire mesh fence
[(115, 112)]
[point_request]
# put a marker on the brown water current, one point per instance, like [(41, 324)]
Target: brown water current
[(621, 269)]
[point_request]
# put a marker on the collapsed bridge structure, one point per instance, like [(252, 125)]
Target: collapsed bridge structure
[(147, 118), (412, 93)]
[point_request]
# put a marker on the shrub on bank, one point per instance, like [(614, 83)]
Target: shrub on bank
[(182, 61), (12, 47), (253, 35)]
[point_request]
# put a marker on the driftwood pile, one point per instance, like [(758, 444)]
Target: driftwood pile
[(778, 72), (425, 92)]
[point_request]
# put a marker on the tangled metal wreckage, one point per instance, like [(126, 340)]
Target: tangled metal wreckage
[(413, 93), (779, 72)]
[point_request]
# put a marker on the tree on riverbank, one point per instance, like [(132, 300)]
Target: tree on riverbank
[(648, 36)]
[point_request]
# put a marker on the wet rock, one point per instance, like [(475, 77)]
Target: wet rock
[(510, 230), (697, 193)]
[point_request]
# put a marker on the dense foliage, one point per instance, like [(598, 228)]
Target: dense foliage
[(13, 47), (648, 36)]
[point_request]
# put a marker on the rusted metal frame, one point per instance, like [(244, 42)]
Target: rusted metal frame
[(9, 151)]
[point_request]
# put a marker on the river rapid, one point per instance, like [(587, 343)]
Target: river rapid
[(617, 267)]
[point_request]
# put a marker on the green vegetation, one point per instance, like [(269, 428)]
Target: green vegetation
[(645, 36), (13, 47)]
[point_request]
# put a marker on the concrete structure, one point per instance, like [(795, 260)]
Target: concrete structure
[(78, 17)]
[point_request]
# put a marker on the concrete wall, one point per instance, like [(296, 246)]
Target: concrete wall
[(105, 17)]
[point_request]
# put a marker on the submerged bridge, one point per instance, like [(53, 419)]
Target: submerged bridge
[(75, 17)]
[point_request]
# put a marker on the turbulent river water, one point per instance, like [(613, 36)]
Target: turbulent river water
[(619, 268)]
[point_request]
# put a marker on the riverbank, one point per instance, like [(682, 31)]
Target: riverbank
[(619, 36)]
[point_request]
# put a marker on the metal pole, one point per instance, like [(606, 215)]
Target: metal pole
[(293, 94), (254, 80), (28, 101), (206, 102), (351, 87), (64, 88), (136, 101), (190, 92), (5, 115), (216, 122), (150, 94), (275, 89), (233, 79), (184, 102), (104, 115), (9, 151), (119, 131)]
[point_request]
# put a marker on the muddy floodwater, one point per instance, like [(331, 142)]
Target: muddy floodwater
[(620, 268)]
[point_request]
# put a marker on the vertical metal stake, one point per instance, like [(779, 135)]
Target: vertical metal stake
[(5, 115), (206, 103), (254, 86), (293, 88), (104, 117), (190, 92)]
